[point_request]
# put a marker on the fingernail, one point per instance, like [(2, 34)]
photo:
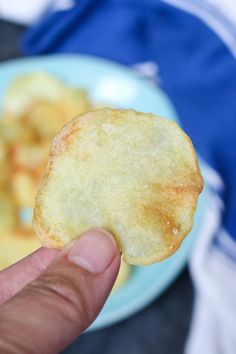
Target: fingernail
[(93, 251)]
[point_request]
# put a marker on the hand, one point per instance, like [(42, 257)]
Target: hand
[(50, 297)]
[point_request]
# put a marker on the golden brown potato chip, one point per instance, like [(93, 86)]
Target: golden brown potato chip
[(75, 102), (123, 275), (24, 187), (30, 88), (39, 87), (4, 164), (46, 119), (12, 131), (36, 107), (29, 156), (134, 174)]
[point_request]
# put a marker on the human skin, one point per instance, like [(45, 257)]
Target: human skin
[(51, 296)]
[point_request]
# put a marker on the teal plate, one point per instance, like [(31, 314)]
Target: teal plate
[(119, 87)]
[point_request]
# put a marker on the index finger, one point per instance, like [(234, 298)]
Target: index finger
[(15, 277)]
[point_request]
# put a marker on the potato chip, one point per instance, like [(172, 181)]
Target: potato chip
[(36, 106), (30, 88), (75, 102), (12, 131), (29, 156), (123, 275), (4, 165), (24, 188), (35, 88), (134, 174), (46, 119)]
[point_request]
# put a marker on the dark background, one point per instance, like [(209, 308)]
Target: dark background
[(162, 327)]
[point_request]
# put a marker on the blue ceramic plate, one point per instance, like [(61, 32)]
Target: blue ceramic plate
[(117, 86)]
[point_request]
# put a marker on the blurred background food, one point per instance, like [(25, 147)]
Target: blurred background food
[(35, 108)]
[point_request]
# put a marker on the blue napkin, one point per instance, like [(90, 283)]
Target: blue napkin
[(196, 68)]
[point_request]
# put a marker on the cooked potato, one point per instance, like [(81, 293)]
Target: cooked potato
[(75, 102), (134, 174), (41, 88), (46, 119), (4, 164), (30, 88), (123, 275), (36, 106), (29, 156), (12, 131), (24, 188)]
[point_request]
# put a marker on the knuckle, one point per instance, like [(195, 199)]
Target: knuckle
[(67, 295)]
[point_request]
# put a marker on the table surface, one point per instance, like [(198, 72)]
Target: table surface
[(162, 327)]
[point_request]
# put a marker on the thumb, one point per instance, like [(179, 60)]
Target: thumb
[(49, 313)]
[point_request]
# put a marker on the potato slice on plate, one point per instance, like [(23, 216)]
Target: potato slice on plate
[(28, 88), (4, 163), (24, 187), (75, 102), (40, 89), (134, 174), (12, 131), (46, 119), (29, 156)]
